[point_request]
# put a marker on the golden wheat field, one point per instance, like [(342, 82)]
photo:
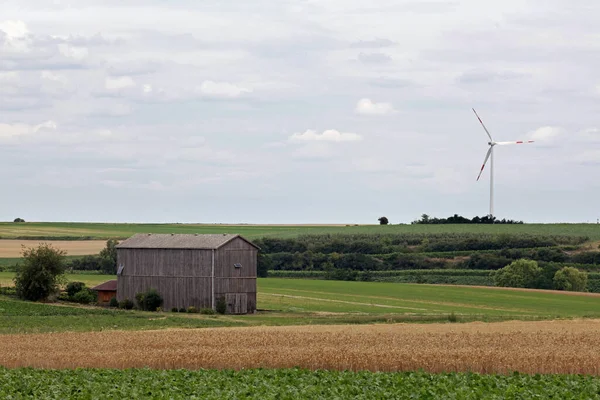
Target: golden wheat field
[(13, 248), (530, 347)]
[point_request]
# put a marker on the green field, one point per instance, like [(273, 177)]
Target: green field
[(10, 230), (299, 302), (286, 384)]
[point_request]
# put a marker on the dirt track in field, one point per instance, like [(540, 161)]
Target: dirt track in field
[(12, 248), (530, 347)]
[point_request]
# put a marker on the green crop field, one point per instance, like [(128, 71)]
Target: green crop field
[(286, 384), (298, 302), (10, 230)]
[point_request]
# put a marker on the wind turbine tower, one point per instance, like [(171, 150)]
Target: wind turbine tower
[(490, 156)]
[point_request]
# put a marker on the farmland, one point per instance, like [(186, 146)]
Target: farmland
[(347, 319), (12, 248), (310, 302), (566, 347), (101, 231), (286, 384)]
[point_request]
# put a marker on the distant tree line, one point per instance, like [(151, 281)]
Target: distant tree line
[(458, 219)]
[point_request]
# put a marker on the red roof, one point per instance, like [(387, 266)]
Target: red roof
[(108, 286)]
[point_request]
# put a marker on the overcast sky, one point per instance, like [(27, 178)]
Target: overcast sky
[(297, 111)]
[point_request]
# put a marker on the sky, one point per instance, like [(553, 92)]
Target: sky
[(297, 111)]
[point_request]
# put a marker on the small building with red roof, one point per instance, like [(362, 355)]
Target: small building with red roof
[(106, 291)]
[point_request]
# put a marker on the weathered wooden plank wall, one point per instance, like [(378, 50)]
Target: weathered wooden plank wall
[(183, 276)]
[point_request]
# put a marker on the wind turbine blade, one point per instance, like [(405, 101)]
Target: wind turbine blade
[(481, 122), (484, 161), (516, 142)]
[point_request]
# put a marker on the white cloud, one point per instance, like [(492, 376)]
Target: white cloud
[(367, 107), (8, 131), (330, 135), (16, 35), (222, 89), (545, 133), (147, 88), (589, 135), (317, 150), (51, 76), (122, 82), (9, 76), (77, 53)]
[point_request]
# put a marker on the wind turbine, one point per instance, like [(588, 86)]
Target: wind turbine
[(490, 155)]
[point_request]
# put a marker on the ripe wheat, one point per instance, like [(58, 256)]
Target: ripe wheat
[(530, 347)]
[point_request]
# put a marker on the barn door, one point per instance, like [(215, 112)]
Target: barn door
[(237, 303)]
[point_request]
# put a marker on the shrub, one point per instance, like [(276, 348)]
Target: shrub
[(113, 302), (174, 309), (192, 310), (569, 278), (127, 304), (521, 273), (221, 306), (149, 301), (452, 317), (139, 299), (207, 311), (41, 272), (19, 220), (85, 296), (182, 309), (85, 263), (74, 287)]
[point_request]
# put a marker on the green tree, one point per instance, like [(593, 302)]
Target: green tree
[(19, 220), (264, 264), (108, 257), (521, 273), (383, 221), (41, 272), (572, 279)]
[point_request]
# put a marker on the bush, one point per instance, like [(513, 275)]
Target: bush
[(149, 301), (207, 311), (74, 287), (452, 317), (126, 304), (41, 272), (221, 306), (174, 309), (85, 263), (19, 220), (85, 296), (192, 310), (569, 278), (113, 302), (521, 273), (383, 221)]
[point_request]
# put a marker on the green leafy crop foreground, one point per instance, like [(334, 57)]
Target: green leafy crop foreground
[(286, 384)]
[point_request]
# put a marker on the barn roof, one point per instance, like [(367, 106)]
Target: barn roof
[(107, 286), (179, 241)]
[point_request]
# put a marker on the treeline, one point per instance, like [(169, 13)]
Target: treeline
[(309, 261), (459, 219), (410, 243), (469, 259)]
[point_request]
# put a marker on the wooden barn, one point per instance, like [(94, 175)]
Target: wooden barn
[(190, 270)]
